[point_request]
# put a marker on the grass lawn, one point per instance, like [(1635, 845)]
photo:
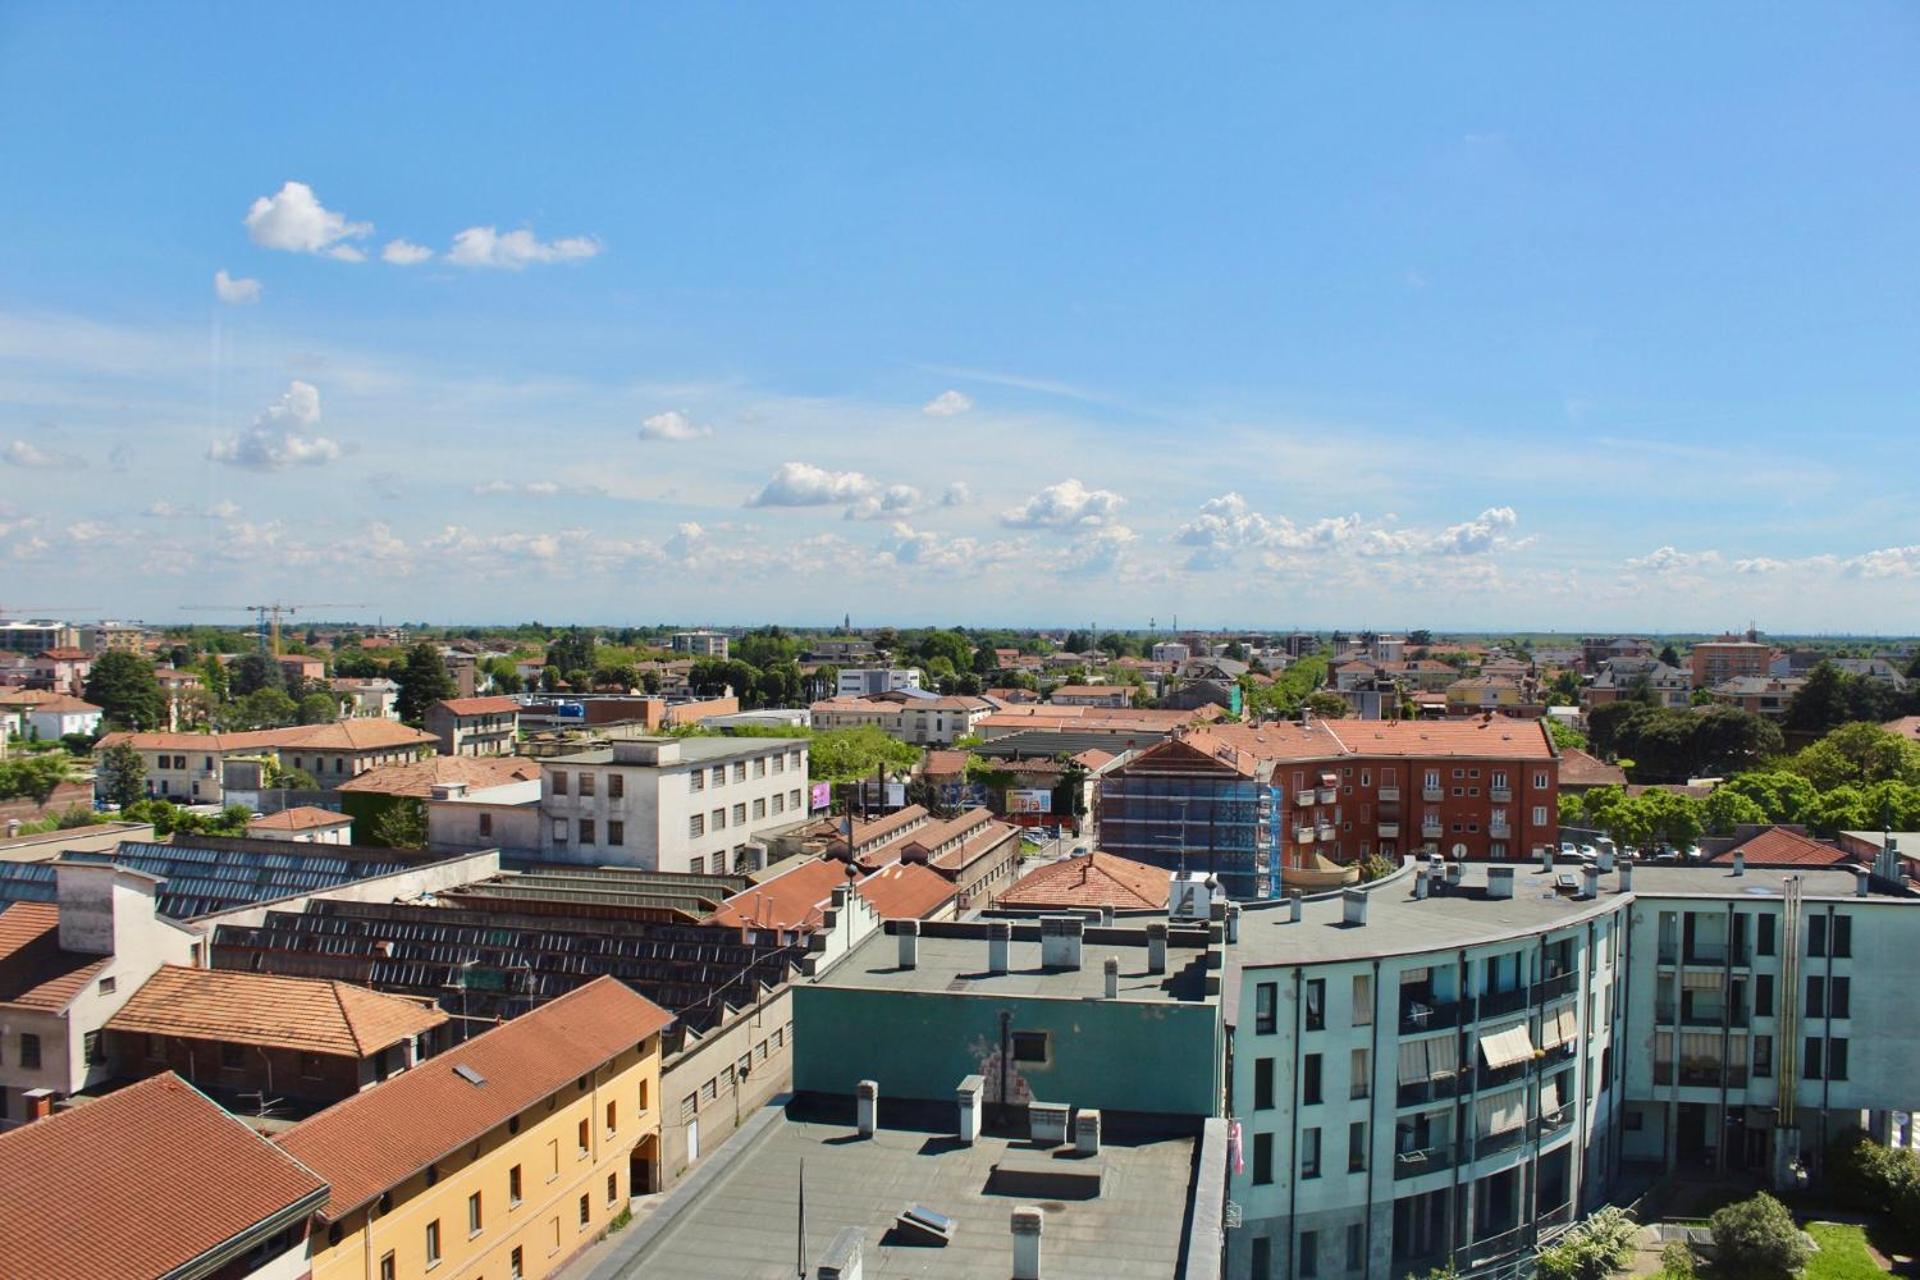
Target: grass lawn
[(1843, 1253)]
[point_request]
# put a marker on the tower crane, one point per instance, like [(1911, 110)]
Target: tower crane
[(268, 617)]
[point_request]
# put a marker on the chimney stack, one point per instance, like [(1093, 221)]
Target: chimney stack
[(999, 943), (1060, 941), (1027, 1220), (968, 1096), (1605, 860), (1739, 864), (1419, 883), (1457, 872), (1157, 947), (1112, 970), (842, 1259), (1086, 1133), (1499, 881), (1626, 876), (1862, 882), (867, 1107), (1590, 882), (909, 934), (1106, 916), (1353, 905), (1233, 922), (1294, 906), (1546, 858)]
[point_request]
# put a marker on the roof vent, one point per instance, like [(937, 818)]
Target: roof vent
[(468, 1074)]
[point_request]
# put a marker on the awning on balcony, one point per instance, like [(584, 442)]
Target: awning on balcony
[(1701, 979), (1550, 1099), (1413, 1062), (1443, 1056), (1557, 1029), (1501, 1112), (1506, 1046)]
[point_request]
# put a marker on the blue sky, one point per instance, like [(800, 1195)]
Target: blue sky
[(1486, 316)]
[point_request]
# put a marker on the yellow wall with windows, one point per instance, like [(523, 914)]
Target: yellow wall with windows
[(546, 1223)]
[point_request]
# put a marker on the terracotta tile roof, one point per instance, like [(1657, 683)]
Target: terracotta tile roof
[(29, 697), (986, 838), (1093, 880), (310, 1015), (62, 702), (378, 1139), (1093, 758), (1094, 691), (65, 655), (1043, 715), (419, 777), (304, 818), (137, 1184), (791, 900), (1780, 847), (879, 828), (944, 764), (906, 891), (34, 971), (364, 734), (479, 706), (1496, 739), (927, 836), (1578, 769)]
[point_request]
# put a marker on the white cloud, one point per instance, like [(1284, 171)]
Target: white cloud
[(1096, 553), (1669, 559), (1761, 564), (488, 247), (1062, 506), (536, 489), (894, 501), (164, 510), (801, 484), (1485, 532), (295, 221), (20, 453), (1227, 525), (673, 425), (405, 253), (957, 494), (279, 437), (238, 293), (947, 404), (1887, 562)]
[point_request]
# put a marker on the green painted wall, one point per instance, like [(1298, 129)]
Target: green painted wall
[(1109, 1054)]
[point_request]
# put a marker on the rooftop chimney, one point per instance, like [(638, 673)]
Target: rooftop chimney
[(1626, 876), (1157, 947), (1457, 872), (1027, 1220), (1887, 864), (1086, 1133), (1590, 882), (1499, 881), (909, 934), (968, 1096), (999, 942), (1739, 864), (1294, 906), (1060, 941), (1546, 858), (1420, 883), (100, 905), (1112, 970), (1862, 882), (1233, 922), (1106, 916), (842, 1259), (867, 1106), (1605, 860), (1353, 905)]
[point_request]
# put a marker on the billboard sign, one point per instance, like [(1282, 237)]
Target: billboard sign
[(1038, 801), (822, 796)]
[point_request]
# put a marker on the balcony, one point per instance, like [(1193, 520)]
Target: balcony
[(1303, 835), (1669, 951), (1437, 1089), (1329, 794), (1411, 1164), (1494, 1078), (1424, 1013), (1433, 793), (1389, 830), (1500, 795), (1431, 830), (1706, 952), (1326, 832), (1495, 1003), (1553, 1122), (1700, 1074), (1305, 799), (1499, 830), (1552, 988), (1388, 795), (1492, 1144)]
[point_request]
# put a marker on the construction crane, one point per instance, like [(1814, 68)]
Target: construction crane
[(20, 610), (268, 617)]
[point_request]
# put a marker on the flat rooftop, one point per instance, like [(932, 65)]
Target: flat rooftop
[(693, 750), (741, 1223), (959, 964), (1464, 916)]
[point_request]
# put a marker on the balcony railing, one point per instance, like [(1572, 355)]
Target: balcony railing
[(1388, 795), (1492, 1144), (1329, 794), (1495, 1003), (1433, 793), (1502, 795), (1553, 1122), (1389, 830), (1303, 834), (1327, 832), (1707, 953), (1552, 988), (1411, 1164), (1700, 1074), (1698, 1017), (1419, 1014), (1435, 1089), (1305, 798), (1499, 830), (1432, 830), (1512, 1073)]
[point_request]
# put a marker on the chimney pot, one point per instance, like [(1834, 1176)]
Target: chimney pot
[(1112, 970), (867, 1107), (968, 1096), (1605, 860), (1295, 907), (1353, 905), (1106, 916), (1590, 882), (1862, 882), (842, 1259), (1739, 864), (1626, 876), (999, 943), (1157, 947), (1546, 858), (909, 934), (1233, 922), (1086, 1133), (1420, 884), (1027, 1225), (1060, 938), (1499, 882)]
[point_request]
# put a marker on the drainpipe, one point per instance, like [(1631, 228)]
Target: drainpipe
[(1373, 1107), (1826, 1038), (1293, 1135), (1726, 1027)]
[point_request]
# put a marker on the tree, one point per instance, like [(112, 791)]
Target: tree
[(1757, 1239), (1780, 795), (1565, 736), (1821, 703), (121, 775), (1858, 753), (251, 671), (765, 647), (213, 674), (401, 825), (1671, 816), (262, 709), (572, 651), (1599, 1247), (317, 708), (1327, 705), (849, 755), (1670, 656), (1727, 808), (122, 685), (951, 645), (34, 777), (423, 681)]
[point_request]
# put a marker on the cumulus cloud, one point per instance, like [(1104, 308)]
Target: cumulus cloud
[(405, 253), (1761, 564), (1665, 560), (890, 503), (536, 489), (1096, 553), (947, 404), (512, 250), (957, 494), (20, 453), (1066, 505), (1485, 532), (673, 425), (1227, 525), (281, 436), (164, 510), (236, 293), (801, 484), (294, 220)]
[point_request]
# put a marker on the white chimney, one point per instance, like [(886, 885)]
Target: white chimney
[(967, 1096), (1499, 881), (1086, 1133), (1157, 947), (842, 1259), (1233, 922), (1862, 882), (1060, 941), (999, 943), (1420, 883), (867, 1107), (1739, 864), (1457, 872), (1605, 860), (1353, 905), (1027, 1220), (1590, 882), (909, 935), (1626, 876), (1546, 858), (1112, 970), (1295, 907), (1106, 916)]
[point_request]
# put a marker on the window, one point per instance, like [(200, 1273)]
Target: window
[(1310, 1153), (1361, 1077), (1362, 999), (697, 780), (1357, 1146), (559, 830), (1263, 1084), (793, 798), (586, 830), (613, 1187), (1816, 997), (717, 820), (1541, 782), (1763, 1056), (589, 784), (1763, 991), (711, 1089), (1356, 1246), (779, 804), (760, 808), (1030, 1046), (1764, 943), (433, 1243), (1842, 937), (1539, 815), (1262, 1258), (1816, 935), (1262, 1159), (697, 866), (1265, 997), (230, 1057), (585, 1137), (719, 775), (1840, 998), (689, 1107), (613, 1117), (1310, 1079), (616, 785), (779, 764), (586, 1212), (616, 832), (1309, 1255), (513, 1186), (473, 1214), (1810, 1066), (760, 766), (553, 1157), (107, 985), (1316, 1004), (642, 1104), (516, 1265), (1837, 1058), (739, 770), (559, 777), (740, 814), (486, 826), (386, 1265), (696, 826)]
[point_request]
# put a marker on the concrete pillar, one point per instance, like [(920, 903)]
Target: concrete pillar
[(1027, 1222), (867, 1106)]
